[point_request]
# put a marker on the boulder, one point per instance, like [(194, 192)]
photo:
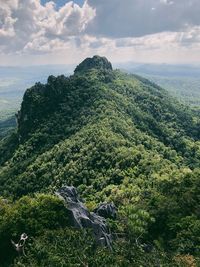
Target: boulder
[(106, 210), (80, 217)]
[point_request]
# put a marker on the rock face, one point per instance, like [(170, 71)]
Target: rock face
[(107, 210), (96, 62), (80, 217)]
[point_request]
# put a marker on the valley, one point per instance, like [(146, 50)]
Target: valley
[(117, 138)]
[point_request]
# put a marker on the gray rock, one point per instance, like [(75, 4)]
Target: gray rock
[(106, 210), (96, 62), (80, 217)]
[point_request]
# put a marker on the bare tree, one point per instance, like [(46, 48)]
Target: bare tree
[(19, 247)]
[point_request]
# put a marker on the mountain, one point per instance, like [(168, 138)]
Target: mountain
[(6, 126), (116, 137), (16, 79), (182, 81)]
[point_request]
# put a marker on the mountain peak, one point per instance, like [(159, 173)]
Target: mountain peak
[(95, 62)]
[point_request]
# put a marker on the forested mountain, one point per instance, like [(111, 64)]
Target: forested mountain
[(182, 81), (14, 81), (6, 126), (117, 138)]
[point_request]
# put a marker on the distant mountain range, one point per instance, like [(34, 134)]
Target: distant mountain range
[(180, 80), (15, 80)]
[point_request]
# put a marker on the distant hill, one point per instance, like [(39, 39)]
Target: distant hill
[(116, 137), (6, 126), (182, 81), (15, 80)]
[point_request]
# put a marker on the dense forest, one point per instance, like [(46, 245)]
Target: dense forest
[(7, 125), (182, 81), (118, 138), (186, 89)]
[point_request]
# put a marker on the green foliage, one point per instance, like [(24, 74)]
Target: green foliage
[(96, 62), (187, 238), (185, 88), (66, 248), (116, 137), (69, 248), (30, 215), (135, 221), (176, 211), (6, 126)]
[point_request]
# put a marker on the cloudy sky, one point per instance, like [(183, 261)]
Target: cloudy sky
[(65, 32)]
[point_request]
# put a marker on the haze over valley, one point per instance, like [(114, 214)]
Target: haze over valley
[(99, 133)]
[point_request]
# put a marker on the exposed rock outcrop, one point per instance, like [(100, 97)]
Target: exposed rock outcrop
[(95, 62), (80, 217), (106, 210)]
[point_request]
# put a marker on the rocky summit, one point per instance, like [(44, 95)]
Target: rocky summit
[(126, 145), (96, 62)]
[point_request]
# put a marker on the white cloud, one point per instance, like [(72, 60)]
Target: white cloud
[(27, 25), (123, 30), (167, 2), (6, 20)]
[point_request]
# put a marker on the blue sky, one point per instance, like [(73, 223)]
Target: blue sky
[(60, 3)]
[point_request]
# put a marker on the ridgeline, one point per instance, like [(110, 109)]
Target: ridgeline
[(117, 138)]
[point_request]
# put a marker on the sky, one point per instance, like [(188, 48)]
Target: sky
[(60, 3), (37, 32)]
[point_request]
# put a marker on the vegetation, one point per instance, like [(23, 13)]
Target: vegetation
[(181, 81), (116, 137), (186, 89), (6, 126)]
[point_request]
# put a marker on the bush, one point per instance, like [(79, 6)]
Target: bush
[(30, 215)]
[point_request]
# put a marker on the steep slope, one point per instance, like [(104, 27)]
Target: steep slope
[(116, 137), (92, 127), (6, 126)]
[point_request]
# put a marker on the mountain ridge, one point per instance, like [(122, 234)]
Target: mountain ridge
[(117, 138)]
